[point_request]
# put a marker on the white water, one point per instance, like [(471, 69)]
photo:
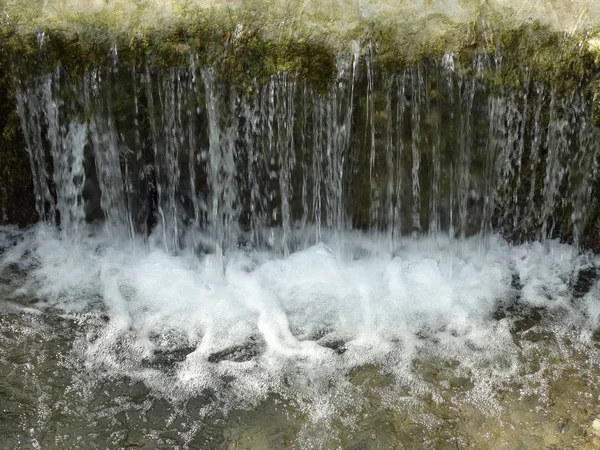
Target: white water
[(253, 323), (203, 243)]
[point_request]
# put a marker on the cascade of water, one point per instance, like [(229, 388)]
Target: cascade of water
[(436, 167), (66, 147), (285, 91), (231, 191), (374, 175), (136, 176), (107, 152), (534, 155), (317, 164), (450, 80), (338, 123), (305, 156), (196, 165), (462, 169), (40, 114), (69, 177), (255, 167), (557, 142), (510, 120), (400, 111), (389, 160), (417, 84), (268, 152), (194, 153), (492, 156), (167, 159), (156, 186), (583, 170), (30, 108), (522, 129), (223, 214)]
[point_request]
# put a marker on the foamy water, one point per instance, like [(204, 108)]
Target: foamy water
[(249, 323)]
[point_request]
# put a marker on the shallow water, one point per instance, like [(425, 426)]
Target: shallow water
[(348, 343)]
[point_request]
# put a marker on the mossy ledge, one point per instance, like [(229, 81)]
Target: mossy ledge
[(248, 41)]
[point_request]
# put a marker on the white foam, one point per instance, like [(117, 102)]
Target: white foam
[(426, 297)]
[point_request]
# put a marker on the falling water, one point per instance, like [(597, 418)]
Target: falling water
[(446, 154), (235, 247)]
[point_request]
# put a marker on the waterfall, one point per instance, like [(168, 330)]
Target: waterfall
[(430, 150), (386, 240)]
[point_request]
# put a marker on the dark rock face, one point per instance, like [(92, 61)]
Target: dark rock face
[(240, 353), (17, 203)]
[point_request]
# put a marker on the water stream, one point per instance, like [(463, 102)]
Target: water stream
[(369, 267), (428, 151)]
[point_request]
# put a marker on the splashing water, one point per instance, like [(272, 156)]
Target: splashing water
[(254, 323), (239, 249)]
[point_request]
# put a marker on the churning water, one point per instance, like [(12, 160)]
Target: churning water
[(295, 269), (429, 321)]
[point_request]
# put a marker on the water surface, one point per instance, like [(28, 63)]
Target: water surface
[(348, 343)]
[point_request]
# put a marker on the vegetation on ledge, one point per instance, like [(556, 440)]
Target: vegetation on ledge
[(248, 41)]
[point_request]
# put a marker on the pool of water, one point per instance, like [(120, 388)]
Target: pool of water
[(348, 343)]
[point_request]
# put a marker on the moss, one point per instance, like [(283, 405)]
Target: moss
[(245, 59), (593, 46), (550, 57), (313, 62), (251, 43)]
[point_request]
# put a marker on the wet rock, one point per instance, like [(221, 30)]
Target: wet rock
[(461, 384), (525, 317), (516, 283), (586, 278), (510, 306), (565, 425), (363, 445), (158, 416), (138, 392), (528, 319), (239, 353), (337, 345), (168, 358), (370, 375), (195, 405), (538, 336)]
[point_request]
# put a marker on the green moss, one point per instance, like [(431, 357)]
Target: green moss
[(550, 57), (253, 42)]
